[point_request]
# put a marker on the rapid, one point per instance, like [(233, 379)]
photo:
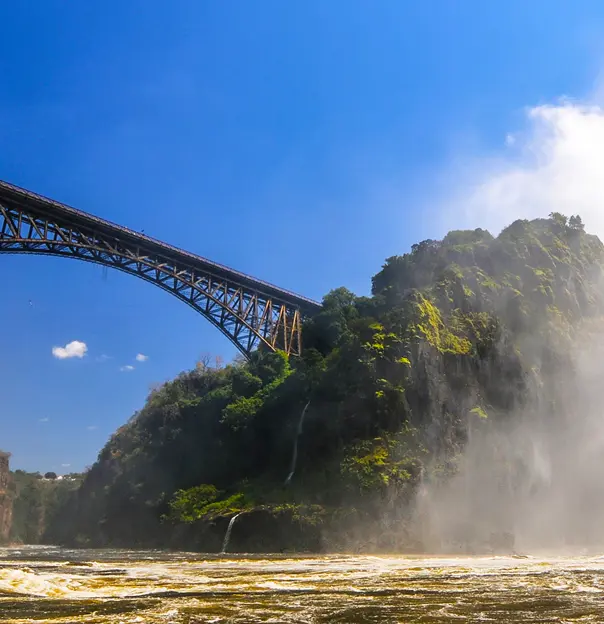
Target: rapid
[(47, 584)]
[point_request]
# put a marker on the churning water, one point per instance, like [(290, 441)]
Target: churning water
[(64, 586)]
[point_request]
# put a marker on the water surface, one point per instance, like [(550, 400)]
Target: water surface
[(41, 584)]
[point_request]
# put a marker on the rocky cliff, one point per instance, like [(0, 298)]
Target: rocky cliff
[(447, 411), (6, 501)]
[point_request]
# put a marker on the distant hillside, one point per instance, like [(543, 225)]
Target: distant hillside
[(458, 336), (35, 502)]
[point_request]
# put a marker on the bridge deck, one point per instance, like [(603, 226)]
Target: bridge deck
[(44, 205)]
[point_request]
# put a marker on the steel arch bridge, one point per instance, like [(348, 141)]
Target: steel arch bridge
[(248, 311)]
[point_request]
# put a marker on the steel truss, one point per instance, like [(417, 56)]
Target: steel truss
[(248, 311)]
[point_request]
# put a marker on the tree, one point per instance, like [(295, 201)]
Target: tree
[(339, 299), (576, 223), (50, 475), (559, 219)]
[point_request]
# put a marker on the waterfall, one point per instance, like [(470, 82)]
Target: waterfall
[(295, 454), (227, 536)]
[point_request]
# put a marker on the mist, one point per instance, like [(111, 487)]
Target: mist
[(532, 480)]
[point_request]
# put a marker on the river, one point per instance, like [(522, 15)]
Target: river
[(44, 584)]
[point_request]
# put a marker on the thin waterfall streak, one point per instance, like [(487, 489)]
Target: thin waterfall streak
[(295, 453), (227, 536)]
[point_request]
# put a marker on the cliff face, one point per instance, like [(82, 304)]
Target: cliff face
[(6, 501), (447, 398), (35, 501)]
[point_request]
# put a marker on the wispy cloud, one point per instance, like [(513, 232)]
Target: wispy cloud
[(141, 358), (76, 348), (127, 368), (103, 358), (92, 427), (43, 420), (555, 165), (65, 465)]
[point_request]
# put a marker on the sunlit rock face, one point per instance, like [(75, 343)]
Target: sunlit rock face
[(6, 503)]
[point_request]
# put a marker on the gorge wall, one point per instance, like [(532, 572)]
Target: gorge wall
[(455, 409), (6, 501)]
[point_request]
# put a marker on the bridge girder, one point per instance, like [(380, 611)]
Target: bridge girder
[(248, 311)]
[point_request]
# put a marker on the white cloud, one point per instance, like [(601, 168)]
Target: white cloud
[(65, 465), (141, 358), (127, 368), (103, 358), (43, 420), (91, 427), (73, 349), (557, 164)]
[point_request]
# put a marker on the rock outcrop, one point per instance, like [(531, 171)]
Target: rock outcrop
[(6, 501)]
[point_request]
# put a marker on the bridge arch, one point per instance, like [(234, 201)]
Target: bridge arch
[(248, 311)]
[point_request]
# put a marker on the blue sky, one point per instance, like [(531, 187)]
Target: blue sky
[(300, 142)]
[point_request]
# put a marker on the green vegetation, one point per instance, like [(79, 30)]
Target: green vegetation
[(394, 380), (37, 502), (479, 412)]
